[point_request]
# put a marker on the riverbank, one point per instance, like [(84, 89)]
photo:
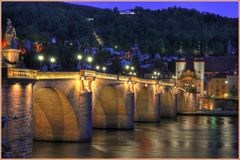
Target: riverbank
[(210, 113)]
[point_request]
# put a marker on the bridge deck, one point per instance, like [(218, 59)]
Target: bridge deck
[(19, 73)]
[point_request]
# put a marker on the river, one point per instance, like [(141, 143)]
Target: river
[(181, 137)]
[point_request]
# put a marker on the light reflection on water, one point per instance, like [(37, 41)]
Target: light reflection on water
[(185, 136)]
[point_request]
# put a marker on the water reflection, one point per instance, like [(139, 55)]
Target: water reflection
[(181, 137), (18, 132)]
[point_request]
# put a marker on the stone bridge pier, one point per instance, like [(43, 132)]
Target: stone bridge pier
[(61, 111), (147, 103), (168, 100), (113, 104)]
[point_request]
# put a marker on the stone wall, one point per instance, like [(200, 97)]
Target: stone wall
[(214, 103)]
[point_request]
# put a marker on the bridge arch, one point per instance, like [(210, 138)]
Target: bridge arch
[(54, 117), (110, 110)]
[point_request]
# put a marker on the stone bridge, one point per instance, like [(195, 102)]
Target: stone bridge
[(65, 106)]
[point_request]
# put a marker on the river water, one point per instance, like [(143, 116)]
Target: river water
[(181, 137)]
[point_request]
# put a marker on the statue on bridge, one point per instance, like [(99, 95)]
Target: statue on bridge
[(10, 53), (10, 36)]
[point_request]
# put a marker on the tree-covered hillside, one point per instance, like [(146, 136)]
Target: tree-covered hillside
[(161, 31)]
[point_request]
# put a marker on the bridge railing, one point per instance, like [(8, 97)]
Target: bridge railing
[(38, 75), (57, 75), (21, 73)]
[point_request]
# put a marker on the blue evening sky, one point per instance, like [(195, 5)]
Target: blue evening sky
[(228, 9)]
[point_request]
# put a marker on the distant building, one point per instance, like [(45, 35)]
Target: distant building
[(144, 57), (190, 73), (222, 64), (157, 56), (221, 85), (146, 64), (54, 40), (128, 12), (217, 86)]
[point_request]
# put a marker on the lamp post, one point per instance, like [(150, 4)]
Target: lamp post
[(40, 58), (52, 60), (90, 60), (79, 57), (127, 67), (156, 75), (97, 68), (104, 69)]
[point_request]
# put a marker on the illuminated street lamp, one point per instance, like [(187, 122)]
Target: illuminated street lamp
[(155, 73), (52, 60), (40, 58), (79, 57), (104, 69), (130, 73), (226, 82), (89, 59), (132, 68), (97, 67), (127, 67), (134, 73)]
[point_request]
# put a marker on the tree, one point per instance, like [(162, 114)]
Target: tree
[(234, 91)]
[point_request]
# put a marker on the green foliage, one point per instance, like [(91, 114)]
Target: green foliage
[(234, 91)]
